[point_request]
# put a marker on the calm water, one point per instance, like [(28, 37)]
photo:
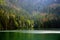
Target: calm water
[(27, 36)]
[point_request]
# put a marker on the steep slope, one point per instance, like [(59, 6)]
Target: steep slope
[(53, 8), (10, 17), (33, 5)]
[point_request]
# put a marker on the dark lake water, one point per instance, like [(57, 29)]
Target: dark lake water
[(28, 36)]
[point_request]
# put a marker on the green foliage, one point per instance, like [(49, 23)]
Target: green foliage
[(2, 2), (11, 19)]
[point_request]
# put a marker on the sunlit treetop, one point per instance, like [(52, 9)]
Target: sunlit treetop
[(2, 2)]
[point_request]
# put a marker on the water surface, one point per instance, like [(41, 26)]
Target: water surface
[(27, 36)]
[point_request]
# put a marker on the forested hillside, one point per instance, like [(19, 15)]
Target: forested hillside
[(13, 17)]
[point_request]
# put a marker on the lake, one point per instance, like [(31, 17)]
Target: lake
[(28, 36)]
